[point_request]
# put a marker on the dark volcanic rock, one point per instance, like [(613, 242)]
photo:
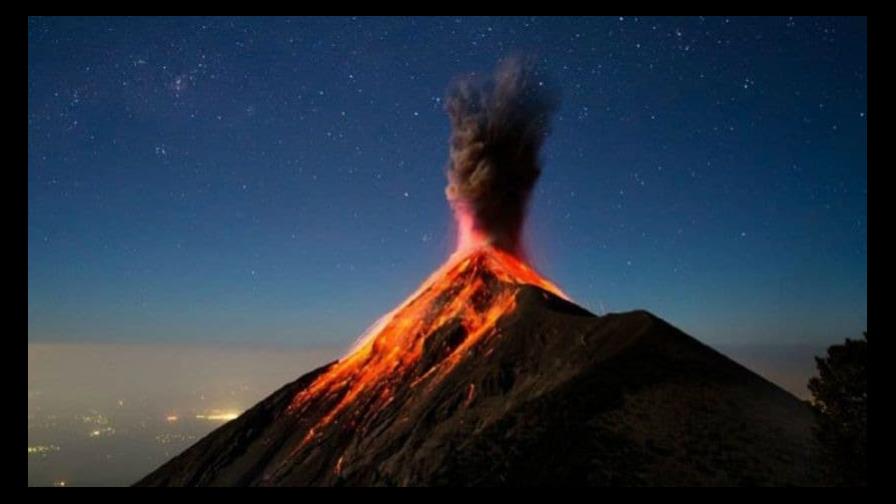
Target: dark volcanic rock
[(556, 396)]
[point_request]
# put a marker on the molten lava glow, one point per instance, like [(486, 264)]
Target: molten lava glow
[(468, 237), (473, 290)]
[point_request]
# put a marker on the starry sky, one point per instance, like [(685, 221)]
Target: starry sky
[(281, 180)]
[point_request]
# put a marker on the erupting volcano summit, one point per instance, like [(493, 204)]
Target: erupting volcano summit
[(489, 375)]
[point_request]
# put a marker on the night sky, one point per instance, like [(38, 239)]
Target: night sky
[(281, 180)]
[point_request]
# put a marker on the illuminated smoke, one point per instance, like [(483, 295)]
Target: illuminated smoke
[(498, 126)]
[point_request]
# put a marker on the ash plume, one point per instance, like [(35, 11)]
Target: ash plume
[(498, 126)]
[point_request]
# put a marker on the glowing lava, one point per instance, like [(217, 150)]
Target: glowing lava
[(463, 299), (498, 127)]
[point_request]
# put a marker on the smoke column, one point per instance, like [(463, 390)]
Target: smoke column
[(498, 125)]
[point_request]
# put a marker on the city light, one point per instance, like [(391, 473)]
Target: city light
[(42, 449), (102, 432), (220, 416)]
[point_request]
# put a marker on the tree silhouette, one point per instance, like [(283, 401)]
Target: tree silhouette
[(840, 399)]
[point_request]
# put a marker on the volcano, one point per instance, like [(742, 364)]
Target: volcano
[(490, 375)]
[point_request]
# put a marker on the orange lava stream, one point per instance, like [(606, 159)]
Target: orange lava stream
[(395, 344)]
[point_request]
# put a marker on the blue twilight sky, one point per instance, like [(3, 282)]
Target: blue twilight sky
[(280, 180)]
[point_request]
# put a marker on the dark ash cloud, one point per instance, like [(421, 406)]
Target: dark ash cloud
[(499, 124)]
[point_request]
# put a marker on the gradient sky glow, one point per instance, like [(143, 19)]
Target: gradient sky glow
[(281, 180)]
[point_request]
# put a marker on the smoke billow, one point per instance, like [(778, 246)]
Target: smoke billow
[(498, 126)]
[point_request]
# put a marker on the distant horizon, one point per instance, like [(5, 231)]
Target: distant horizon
[(788, 365)]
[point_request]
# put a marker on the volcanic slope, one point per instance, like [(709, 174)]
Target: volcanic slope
[(488, 375)]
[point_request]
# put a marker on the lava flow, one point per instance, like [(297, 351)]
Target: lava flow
[(459, 305), (498, 127)]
